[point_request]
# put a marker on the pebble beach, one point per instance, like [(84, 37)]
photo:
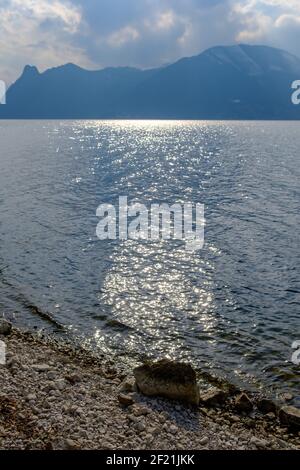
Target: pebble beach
[(55, 397)]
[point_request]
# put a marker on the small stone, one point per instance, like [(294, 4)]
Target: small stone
[(60, 384), (132, 418), (259, 443), (5, 327), (266, 406), (12, 363), (173, 429), (69, 444), (204, 441), (141, 411), (287, 396), (51, 375), (48, 387), (213, 397), (128, 385), (125, 400), (243, 403), (234, 419), (250, 423), (73, 378), (290, 416), (140, 426), (41, 367), (31, 397), (282, 444)]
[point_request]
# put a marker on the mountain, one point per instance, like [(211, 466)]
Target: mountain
[(234, 82)]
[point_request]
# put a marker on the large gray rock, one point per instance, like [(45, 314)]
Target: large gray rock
[(5, 327), (290, 416), (168, 379)]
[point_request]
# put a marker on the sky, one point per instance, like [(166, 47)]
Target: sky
[(140, 33)]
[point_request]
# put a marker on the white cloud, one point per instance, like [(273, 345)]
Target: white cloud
[(38, 32), (41, 10), (123, 36), (255, 28), (162, 21), (283, 4), (286, 20), (262, 19)]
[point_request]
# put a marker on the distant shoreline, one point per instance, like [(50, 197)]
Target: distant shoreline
[(120, 119)]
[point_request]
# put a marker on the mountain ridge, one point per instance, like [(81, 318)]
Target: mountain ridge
[(223, 82)]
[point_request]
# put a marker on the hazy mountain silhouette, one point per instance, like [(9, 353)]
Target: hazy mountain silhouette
[(236, 82)]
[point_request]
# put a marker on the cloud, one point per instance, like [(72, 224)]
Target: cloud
[(254, 25), (41, 10), (274, 22), (143, 33), (123, 36), (149, 33), (163, 21), (287, 20), (39, 32)]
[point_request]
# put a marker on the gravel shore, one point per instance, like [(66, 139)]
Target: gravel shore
[(55, 397)]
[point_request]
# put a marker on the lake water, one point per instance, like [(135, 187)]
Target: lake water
[(231, 308)]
